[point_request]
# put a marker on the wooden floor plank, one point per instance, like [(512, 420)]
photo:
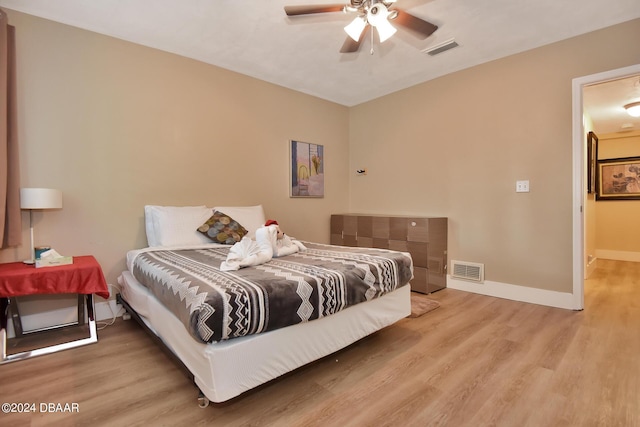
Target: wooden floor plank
[(477, 361)]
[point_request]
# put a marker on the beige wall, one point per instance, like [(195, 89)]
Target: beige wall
[(455, 147), (116, 126), (618, 221)]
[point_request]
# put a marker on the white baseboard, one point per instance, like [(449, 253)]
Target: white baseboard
[(515, 293), (618, 255), (106, 310)]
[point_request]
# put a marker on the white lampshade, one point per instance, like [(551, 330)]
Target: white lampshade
[(633, 109), (40, 198), (378, 16), (385, 30), (355, 28)]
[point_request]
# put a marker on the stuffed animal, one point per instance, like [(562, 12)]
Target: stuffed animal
[(270, 242), (283, 244), (279, 234)]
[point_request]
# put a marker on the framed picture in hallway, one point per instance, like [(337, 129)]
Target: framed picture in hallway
[(619, 179), (307, 170), (592, 160)]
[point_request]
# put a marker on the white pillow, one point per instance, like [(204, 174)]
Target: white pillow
[(250, 217), (175, 225)]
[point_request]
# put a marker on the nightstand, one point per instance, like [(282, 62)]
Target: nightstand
[(84, 277)]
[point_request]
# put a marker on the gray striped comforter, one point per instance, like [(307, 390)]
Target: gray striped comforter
[(217, 305)]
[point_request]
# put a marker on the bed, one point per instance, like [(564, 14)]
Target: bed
[(235, 330)]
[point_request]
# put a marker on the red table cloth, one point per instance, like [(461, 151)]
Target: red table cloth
[(84, 276)]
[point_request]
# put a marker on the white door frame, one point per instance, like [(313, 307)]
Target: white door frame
[(579, 161)]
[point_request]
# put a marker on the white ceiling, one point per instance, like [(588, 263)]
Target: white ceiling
[(605, 102), (256, 38)]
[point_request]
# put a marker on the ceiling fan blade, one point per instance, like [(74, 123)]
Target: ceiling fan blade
[(350, 45), (309, 9), (419, 26)]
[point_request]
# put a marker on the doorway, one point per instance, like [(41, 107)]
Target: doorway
[(579, 174)]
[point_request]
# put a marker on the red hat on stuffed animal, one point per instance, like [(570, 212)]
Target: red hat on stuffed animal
[(271, 222)]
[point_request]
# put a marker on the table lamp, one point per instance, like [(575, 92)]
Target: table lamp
[(37, 199)]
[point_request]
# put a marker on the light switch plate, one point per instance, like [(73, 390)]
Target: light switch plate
[(522, 186)]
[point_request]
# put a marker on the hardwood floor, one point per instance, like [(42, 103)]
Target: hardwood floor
[(475, 361)]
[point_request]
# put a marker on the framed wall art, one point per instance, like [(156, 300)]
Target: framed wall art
[(592, 160), (619, 179), (307, 170)]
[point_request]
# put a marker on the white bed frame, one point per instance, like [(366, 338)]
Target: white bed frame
[(227, 369)]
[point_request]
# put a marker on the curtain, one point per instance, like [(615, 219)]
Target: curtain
[(10, 218)]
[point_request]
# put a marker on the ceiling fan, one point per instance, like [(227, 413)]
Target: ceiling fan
[(370, 13)]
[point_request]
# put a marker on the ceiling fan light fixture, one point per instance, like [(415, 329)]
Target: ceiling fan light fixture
[(355, 28), (375, 13), (633, 109), (385, 30), (378, 16)]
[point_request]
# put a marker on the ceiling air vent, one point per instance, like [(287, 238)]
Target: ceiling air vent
[(467, 271), (442, 47)]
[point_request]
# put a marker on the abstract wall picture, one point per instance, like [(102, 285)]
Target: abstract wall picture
[(307, 170)]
